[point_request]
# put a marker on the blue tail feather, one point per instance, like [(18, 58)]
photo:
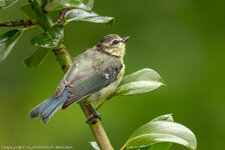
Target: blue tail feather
[(46, 109)]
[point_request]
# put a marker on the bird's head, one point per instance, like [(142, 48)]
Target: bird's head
[(112, 44)]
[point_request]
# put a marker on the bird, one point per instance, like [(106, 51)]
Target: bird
[(94, 75)]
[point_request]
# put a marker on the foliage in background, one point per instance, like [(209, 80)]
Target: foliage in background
[(159, 133)]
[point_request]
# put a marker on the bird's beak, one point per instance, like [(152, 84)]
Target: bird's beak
[(125, 39)]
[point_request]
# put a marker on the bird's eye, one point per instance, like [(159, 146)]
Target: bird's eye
[(115, 42)]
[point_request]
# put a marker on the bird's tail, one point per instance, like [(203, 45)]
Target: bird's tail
[(46, 109)]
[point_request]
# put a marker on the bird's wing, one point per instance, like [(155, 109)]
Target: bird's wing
[(93, 80), (81, 61)]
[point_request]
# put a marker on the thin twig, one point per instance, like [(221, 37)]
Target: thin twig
[(25, 23), (100, 104), (62, 14)]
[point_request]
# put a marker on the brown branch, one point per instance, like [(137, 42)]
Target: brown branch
[(95, 124), (97, 129), (25, 23), (63, 57), (62, 14)]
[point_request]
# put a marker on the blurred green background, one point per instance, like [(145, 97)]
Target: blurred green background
[(183, 40)]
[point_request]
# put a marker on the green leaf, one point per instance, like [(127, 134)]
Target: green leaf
[(6, 3), (145, 148), (139, 82), (36, 58), (157, 131), (81, 15), (94, 145), (167, 117), (158, 146), (50, 39), (161, 146), (60, 4), (28, 11), (7, 41)]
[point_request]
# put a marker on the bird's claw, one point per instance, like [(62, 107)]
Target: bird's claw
[(94, 115)]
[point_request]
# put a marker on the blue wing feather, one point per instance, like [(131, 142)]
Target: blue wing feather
[(91, 82)]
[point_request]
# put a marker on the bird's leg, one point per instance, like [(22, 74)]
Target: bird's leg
[(94, 115)]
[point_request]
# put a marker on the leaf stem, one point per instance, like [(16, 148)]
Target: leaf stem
[(62, 14), (25, 23), (43, 18)]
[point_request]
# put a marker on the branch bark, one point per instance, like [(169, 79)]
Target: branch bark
[(62, 14), (97, 129), (63, 57), (25, 23)]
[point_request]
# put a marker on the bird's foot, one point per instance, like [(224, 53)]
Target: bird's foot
[(94, 115)]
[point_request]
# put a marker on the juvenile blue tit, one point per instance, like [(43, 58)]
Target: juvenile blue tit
[(94, 75)]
